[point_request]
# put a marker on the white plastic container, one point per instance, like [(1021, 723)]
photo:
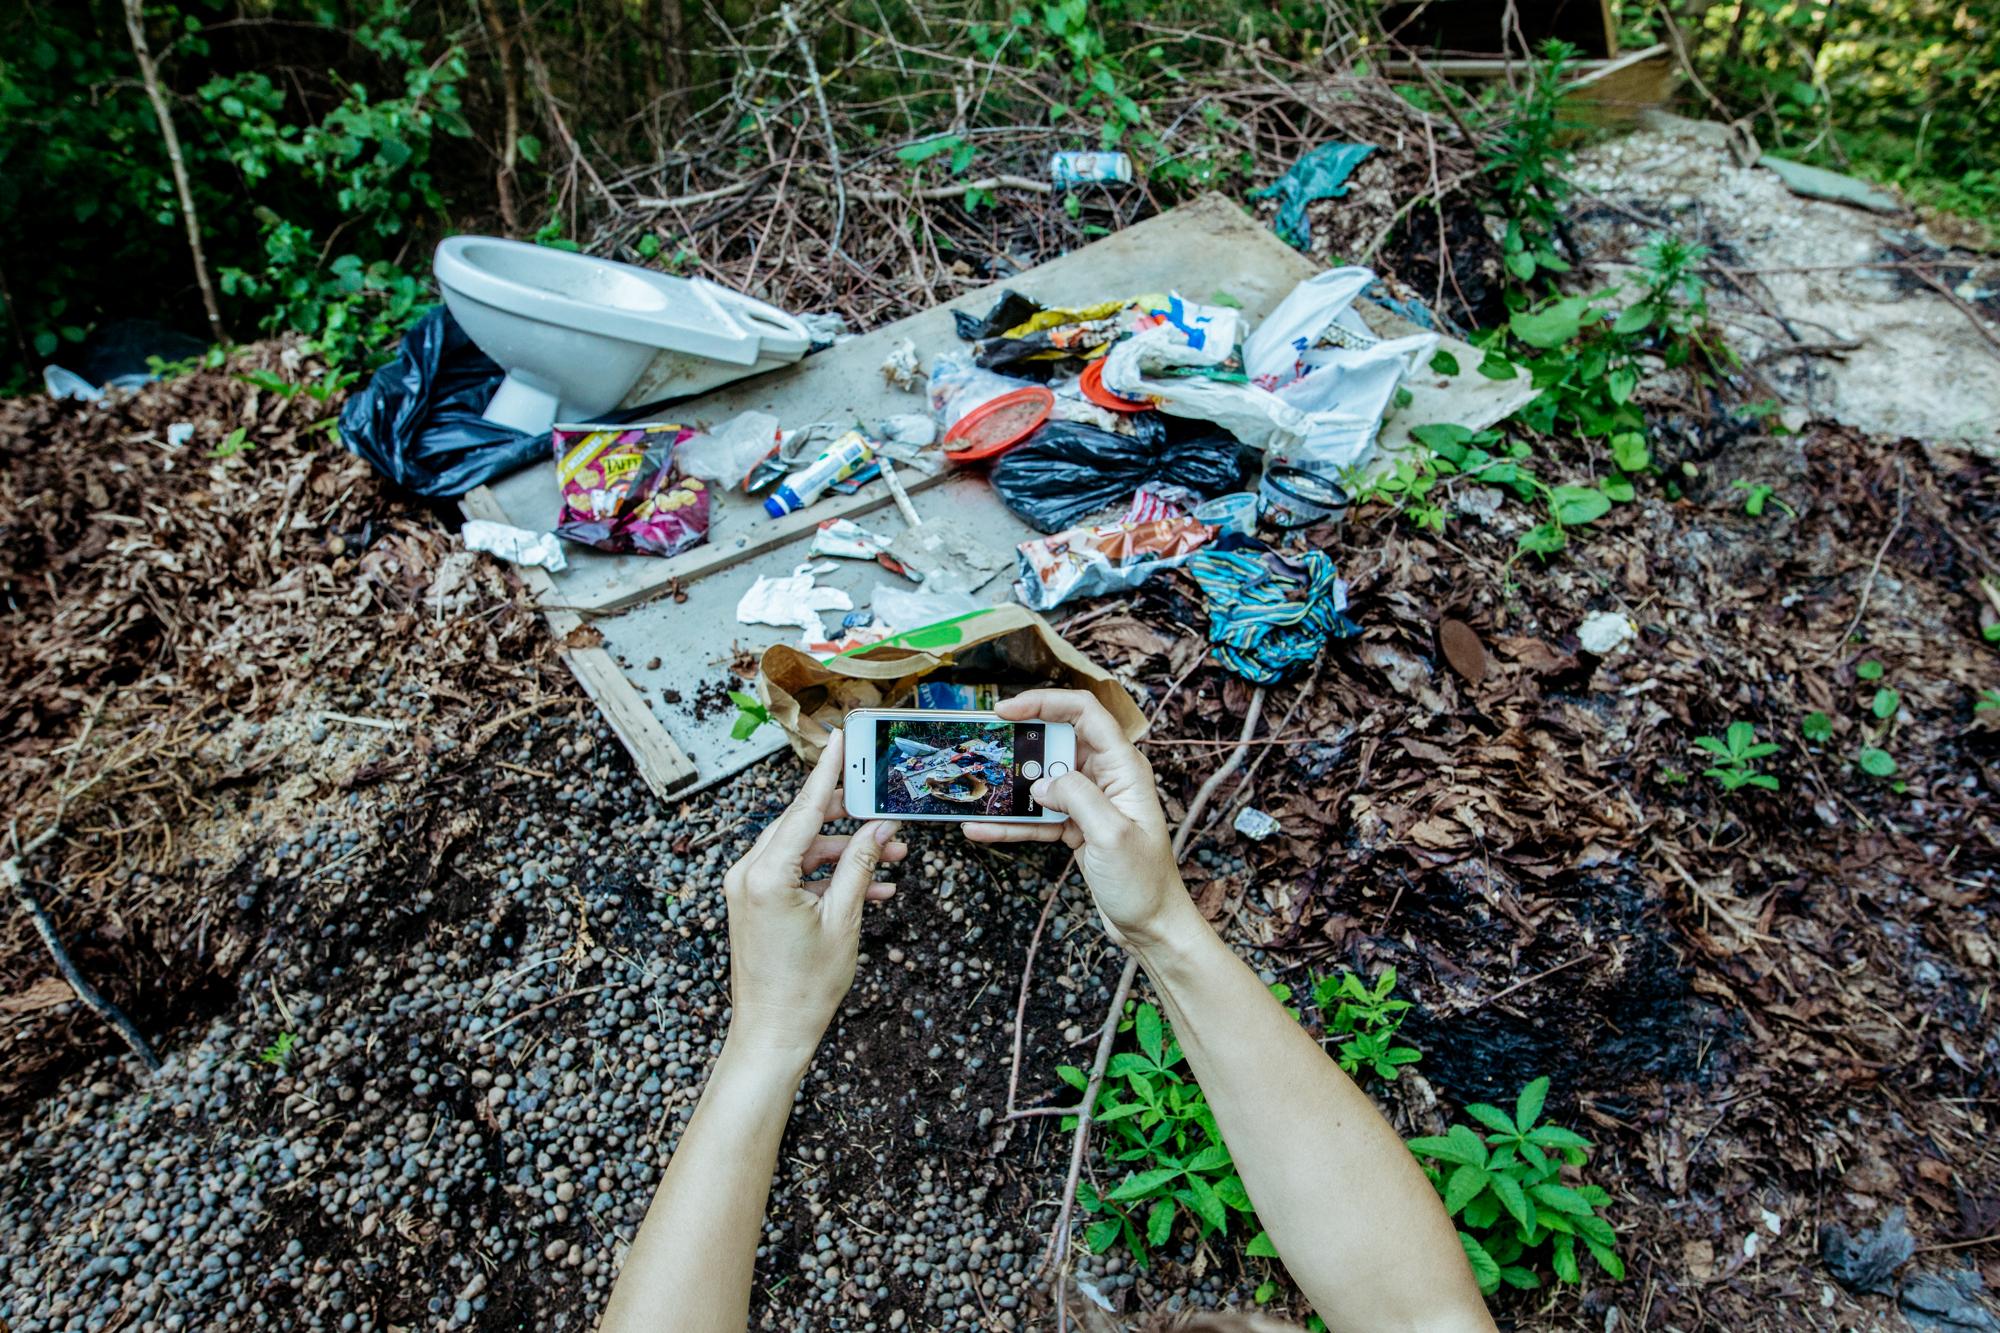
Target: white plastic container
[(847, 455)]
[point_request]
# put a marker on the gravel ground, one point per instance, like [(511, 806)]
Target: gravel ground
[(464, 1050)]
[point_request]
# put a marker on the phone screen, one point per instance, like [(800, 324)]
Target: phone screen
[(957, 768)]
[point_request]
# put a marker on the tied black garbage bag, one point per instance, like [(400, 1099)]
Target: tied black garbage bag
[(419, 422), (1066, 470)]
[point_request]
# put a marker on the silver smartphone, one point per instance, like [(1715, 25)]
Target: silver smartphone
[(951, 766)]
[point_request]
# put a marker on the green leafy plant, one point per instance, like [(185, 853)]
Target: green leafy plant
[(280, 1052), (1159, 1123), (1734, 751), (238, 441), (1759, 495), (1525, 164), (1885, 703), (1868, 670), (1816, 727), (1504, 1189), (1875, 762), (1671, 776), (750, 715), (1366, 1019), (1989, 700)]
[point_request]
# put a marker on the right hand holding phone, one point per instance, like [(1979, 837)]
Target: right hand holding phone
[(1115, 823)]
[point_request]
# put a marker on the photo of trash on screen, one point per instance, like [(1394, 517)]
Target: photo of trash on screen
[(954, 768)]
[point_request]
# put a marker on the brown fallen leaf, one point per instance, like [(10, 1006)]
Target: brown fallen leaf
[(1462, 648), (44, 994)]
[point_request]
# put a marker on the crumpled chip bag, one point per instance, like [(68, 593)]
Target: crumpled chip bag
[(1114, 557), (622, 493)]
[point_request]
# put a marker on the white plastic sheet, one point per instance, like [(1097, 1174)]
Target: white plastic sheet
[(793, 600)]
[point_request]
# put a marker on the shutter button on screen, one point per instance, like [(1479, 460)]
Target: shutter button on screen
[(1031, 769), (1058, 768)]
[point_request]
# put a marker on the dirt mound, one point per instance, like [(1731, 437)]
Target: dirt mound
[(219, 624)]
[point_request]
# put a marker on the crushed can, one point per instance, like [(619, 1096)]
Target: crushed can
[(1067, 169)]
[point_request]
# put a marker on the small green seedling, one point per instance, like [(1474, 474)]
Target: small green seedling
[(1816, 727), (1885, 704), (238, 441), (1367, 1019), (1753, 504), (750, 715), (1734, 752), (1875, 763), (1988, 699), (279, 1053), (1869, 670), (1671, 776)]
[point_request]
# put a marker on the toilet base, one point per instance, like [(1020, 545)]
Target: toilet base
[(521, 405)]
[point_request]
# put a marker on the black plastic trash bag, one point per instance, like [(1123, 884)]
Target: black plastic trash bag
[(1066, 470), (419, 421)]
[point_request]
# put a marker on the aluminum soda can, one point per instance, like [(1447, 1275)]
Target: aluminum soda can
[(1067, 169)]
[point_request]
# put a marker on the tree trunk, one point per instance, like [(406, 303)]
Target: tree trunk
[(510, 93), (673, 61), (135, 24)]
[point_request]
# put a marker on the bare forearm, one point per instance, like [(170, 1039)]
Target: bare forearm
[(1359, 1227), (690, 1269)]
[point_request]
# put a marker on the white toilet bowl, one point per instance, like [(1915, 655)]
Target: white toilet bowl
[(575, 334)]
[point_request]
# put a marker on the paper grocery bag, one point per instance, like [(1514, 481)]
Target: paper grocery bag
[(810, 698)]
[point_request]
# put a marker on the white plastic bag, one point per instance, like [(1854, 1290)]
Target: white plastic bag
[(899, 609), (1317, 406), (727, 454)]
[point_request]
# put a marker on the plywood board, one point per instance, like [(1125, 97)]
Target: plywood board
[(1200, 250)]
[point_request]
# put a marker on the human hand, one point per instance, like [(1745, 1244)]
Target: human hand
[(1115, 824), (792, 944)]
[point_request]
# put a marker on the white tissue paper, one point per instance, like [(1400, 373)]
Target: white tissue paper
[(793, 600), (517, 545)]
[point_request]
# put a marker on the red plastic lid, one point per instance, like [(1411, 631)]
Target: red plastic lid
[(1092, 384), (998, 424)]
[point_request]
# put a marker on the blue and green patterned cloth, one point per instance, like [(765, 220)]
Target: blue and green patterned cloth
[(1268, 613)]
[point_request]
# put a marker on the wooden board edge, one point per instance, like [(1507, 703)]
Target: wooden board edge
[(663, 765), (703, 561)]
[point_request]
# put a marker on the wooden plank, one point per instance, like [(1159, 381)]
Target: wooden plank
[(711, 558), (660, 762)]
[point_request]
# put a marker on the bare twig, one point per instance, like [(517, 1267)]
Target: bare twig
[(826, 119), (1027, 974), (149, 72), (1524, 982), (1902, 510), (1264, 752), (1058, 1251)]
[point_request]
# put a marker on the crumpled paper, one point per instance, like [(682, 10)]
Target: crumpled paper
[(793, 600), (517, 545)]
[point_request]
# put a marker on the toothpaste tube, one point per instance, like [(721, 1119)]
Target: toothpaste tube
[(848, 455)]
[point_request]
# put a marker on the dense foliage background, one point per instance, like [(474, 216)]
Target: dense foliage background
[(331, 142)]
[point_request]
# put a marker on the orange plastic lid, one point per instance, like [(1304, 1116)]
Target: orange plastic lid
[(998, 424), (1092, 384)]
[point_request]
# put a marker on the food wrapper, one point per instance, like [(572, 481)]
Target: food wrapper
[(1090, 562), (622, 493)]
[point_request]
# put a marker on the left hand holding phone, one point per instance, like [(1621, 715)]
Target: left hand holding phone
[(792, 942)]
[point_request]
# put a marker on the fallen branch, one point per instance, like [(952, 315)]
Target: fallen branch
[(11, 878), (826, 119), (1021, 1005), (1235, 797), (1058, 1251), (1902, 511)]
